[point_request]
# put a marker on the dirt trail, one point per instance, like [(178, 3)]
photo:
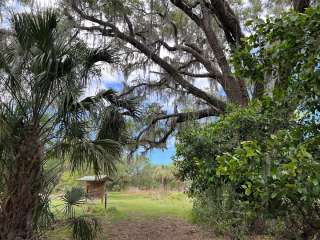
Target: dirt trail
[(155, 229)]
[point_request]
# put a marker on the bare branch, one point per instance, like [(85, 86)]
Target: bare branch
[(174, 119), (197, 55), (199, 75), (183, 117), (129, 23), (133, 88)]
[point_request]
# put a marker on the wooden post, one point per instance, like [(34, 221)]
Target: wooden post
[(105, 199)]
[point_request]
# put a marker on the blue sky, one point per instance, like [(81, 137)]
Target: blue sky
[(158, 156)]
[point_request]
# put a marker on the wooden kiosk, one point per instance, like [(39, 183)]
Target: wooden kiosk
[(96, 187)]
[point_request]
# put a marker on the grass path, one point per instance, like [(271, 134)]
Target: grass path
[(140, 216)]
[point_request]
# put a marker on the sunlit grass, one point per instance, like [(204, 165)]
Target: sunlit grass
[(124, 205), (151, 205)]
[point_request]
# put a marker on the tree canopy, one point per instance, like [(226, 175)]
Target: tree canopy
[(184, 49)]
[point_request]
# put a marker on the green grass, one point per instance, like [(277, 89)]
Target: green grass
[(122, 205), (150, 205)]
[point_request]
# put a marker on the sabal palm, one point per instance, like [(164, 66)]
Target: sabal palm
[(163, 174), (42, 75)]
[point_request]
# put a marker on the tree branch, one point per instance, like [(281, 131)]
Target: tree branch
[(301, 5), (215, 73), (173, 72), (187, 9), (174, 118), (228, 20), (133, 88), (199, 75), (183, 117)]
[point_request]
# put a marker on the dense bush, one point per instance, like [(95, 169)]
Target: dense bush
[(258, 168), (249, 165)]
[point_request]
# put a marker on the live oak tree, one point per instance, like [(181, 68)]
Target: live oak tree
[(181, 45), (43, 73)]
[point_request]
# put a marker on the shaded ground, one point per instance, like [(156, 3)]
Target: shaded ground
[(155, 229)]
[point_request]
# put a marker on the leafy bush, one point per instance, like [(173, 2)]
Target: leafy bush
[(262, 168), (257, 168)]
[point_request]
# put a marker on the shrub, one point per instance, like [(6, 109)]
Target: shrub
[(264, 158)]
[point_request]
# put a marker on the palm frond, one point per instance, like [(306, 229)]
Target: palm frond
[(104, 54), (35, 29), (112, 125), (109, 95), (99, 155), (44, 217), (71, 199)]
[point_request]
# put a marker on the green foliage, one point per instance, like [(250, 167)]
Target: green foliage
[(84, 228), (198, 147), (164, 174), (44, 120), (285, 52), (263, 161), (136, 172), (139, 172), (251, 164), (71, 199), (46, 217)]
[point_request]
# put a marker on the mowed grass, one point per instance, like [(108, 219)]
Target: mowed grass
[(128, 205), (150, 204)]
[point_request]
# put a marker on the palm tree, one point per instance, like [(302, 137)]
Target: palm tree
[(163, 174), (43, 73)]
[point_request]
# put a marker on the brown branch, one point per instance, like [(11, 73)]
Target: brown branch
[(199, 75), (301, 5), (162, 140), (129, 24), (197, 55), (173, 72), (228, 20), (234, 88), (187, 9), (174, 118), (133, 88), (213, 41), (183, 117)]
